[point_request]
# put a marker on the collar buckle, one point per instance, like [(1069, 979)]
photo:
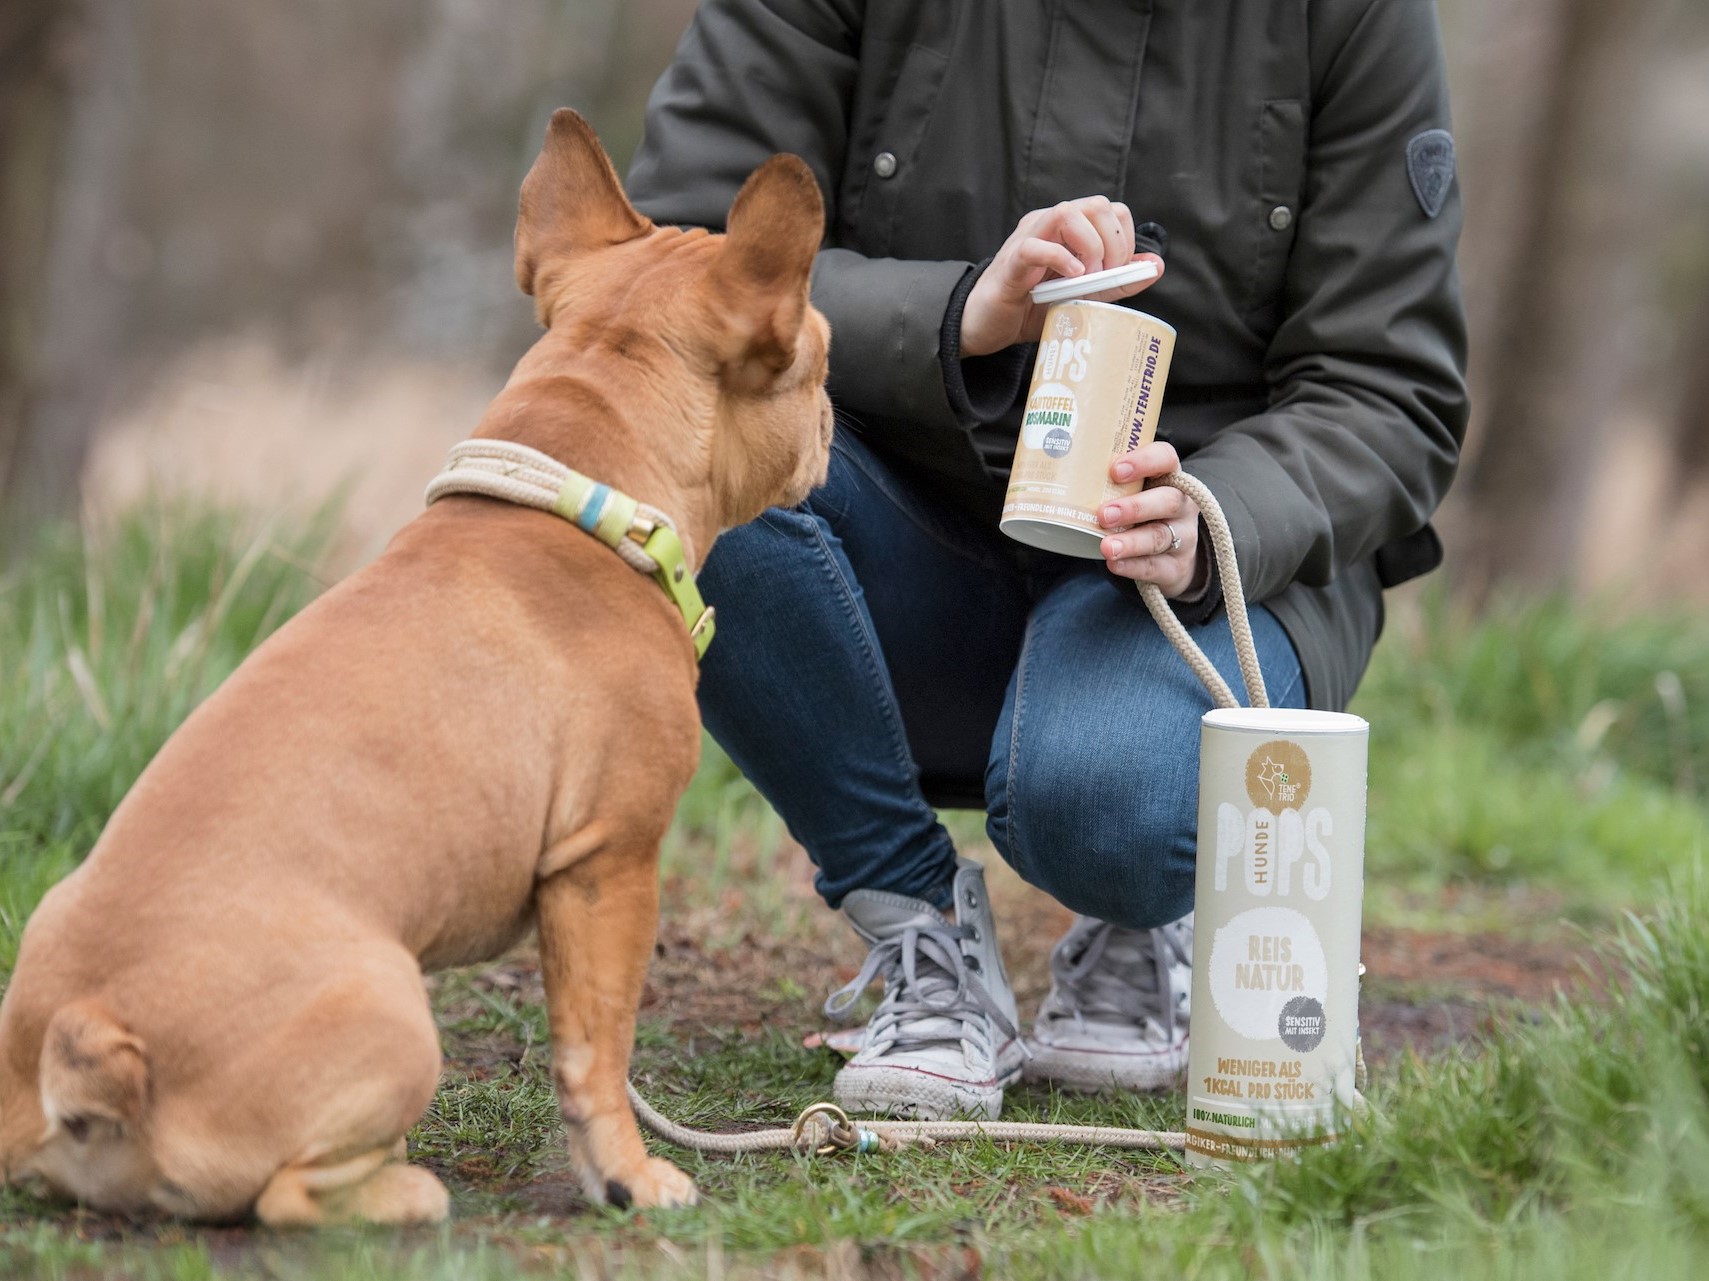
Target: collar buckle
[(702, 631)]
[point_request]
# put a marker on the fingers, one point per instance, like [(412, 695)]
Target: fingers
[(1154, 538), (1097, 230), (1066, 240), (1045, 255), (1124, 225), (1149, 553), (1115, 241), (1164, 503), (1075, 229), (1156, 459), (1160, 552)]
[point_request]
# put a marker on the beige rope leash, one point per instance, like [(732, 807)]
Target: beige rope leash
[(1233, 599), (824, 1128)]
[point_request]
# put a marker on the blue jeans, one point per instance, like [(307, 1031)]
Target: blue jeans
[(879, 649)]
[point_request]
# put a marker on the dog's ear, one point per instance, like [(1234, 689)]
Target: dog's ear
[(92, 1070), (571, 199), (758, 285)]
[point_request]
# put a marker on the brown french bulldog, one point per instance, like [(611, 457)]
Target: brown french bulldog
[(222, 1012)]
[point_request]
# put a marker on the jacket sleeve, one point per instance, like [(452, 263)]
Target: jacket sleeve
[(1367, 390), (755, 77)]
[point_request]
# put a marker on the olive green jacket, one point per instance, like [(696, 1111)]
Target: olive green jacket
[(1291, 156)]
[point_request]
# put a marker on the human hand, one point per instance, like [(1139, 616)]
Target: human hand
[(1156, 531), (1069, 239)]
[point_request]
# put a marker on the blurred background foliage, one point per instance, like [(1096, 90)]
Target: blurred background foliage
[(236, 232), (260, 255)]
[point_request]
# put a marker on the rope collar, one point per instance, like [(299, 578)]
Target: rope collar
[(643, 536)]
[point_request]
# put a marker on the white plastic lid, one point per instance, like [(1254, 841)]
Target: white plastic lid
[(1064, 288), (1285, 720)]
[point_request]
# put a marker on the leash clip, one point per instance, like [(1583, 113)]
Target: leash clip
[(841, 1134)]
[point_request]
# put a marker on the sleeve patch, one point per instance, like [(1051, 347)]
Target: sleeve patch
[(1430, 166)]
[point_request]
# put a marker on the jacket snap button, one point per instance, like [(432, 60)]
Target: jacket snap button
[(1281, 218), (884, 164)]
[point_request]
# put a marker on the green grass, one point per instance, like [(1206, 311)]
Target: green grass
[(1556, 682), (1533, 748), (1576, 1145), (108, 638), (1539, 744)]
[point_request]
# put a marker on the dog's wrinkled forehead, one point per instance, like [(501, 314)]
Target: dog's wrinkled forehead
[(648, 282)]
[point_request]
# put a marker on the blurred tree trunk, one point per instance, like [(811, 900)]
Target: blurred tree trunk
[(473, 89), (33, 101), (1691, 421), (1546, 365), (65, 121)]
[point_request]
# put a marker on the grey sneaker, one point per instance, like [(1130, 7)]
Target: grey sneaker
[(1118, 1010), (943, 1041)]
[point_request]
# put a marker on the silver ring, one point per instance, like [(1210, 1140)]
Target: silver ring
[(1174, 538)]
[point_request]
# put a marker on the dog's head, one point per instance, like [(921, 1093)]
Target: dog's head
[(717, 328)]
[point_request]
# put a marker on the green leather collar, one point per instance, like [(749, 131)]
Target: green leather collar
[(642, 535), (614, 518)]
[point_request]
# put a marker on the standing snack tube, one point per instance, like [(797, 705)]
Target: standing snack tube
[(1096, 389), (1281, 869)]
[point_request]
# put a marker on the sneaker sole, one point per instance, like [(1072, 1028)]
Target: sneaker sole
[(1089, 1071), (918, 1095)]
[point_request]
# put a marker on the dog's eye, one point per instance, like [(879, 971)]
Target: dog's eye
[(77, 1127)]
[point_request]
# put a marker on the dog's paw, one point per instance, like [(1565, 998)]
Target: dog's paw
[(659, 1183)]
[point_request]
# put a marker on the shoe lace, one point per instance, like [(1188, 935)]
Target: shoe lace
[(928, 991), (1110, 974)]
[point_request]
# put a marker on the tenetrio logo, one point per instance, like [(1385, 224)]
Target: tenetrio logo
[(1278, 775), (1278, 838)]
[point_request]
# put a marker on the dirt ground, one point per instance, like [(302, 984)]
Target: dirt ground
[(1425, 992)]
